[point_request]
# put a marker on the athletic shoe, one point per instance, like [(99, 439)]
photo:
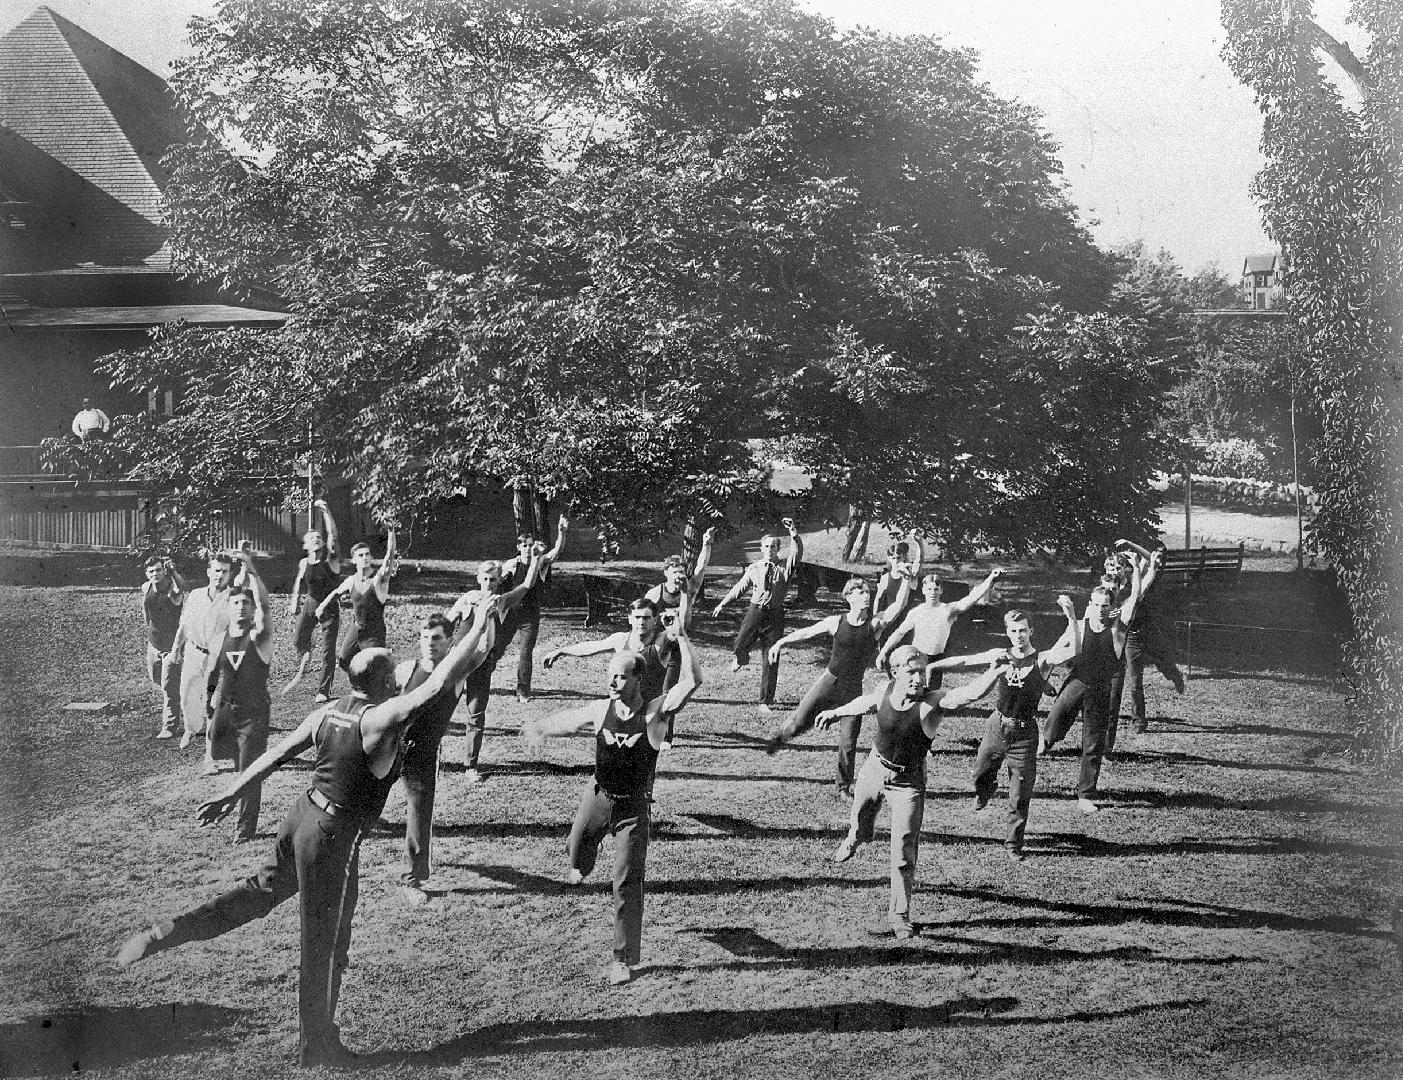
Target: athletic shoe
[(209, 768), (143, 944), (664, 746), (413, 895), (322, 699), (474, 777), (1086, 806), (244, 840), (764, 707), (619, 973), (772, 745), (736, 665), (903, 931), (1178, 680), (1014, 855), (523, 695), (1044, 746), (573, 876), (166, 733), (186, 740), (843, 792), (845, 850)]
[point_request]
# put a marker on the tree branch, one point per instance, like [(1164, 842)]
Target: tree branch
[(1341, 53)]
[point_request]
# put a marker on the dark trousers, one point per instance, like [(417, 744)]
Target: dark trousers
[(1013, 743), (762, 627), (524, 633), (477, 688), (356, 639), (1094, 700), (826, 692), (330, 626), (316, 855), (241, 733), (1147, 646), (419, 767), (626, 818)]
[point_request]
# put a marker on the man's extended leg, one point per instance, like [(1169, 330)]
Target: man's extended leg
[(330, 627), (907, 810), (802, 718), (630, 828), (1022, 763), (420, 772), (771, 630), (477, 690), (252, 738), (849, 728), (526, 636), (992, 748), (1064, 711), (867, 800), (1096, 708), (749, 630), (592, 819)]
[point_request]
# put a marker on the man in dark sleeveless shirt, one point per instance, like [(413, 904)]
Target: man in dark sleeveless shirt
[(422, 739), (318, 574), (908, 715), (1011, 732), (645, 635), (1099, 658), (241, 709), (904, 559), (763, 624), (162, 599), (316, 853), (667, 594), (523, 624), (1145, 642), (628, 729), (369, 589), (855, 636)]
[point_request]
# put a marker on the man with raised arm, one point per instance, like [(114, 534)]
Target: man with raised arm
[(241, 709), (369, 589), (904, 560), (929, 623), (854, 638), (318, 575), (667, 594), (204, 618), (478, 688), (523, 625), (316, 853), (908, 716), (1100, 654), (1145, 641), (768, 580), (1011, 732), (629, 729), (645, 635), (162, 601)]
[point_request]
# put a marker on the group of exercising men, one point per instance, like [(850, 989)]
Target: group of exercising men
[(394, 719)]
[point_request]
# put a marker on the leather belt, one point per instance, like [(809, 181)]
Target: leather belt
[(317, 799)]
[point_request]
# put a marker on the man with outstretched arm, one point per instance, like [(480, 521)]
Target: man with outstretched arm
[(1011, 732), (478, 688), (667, 594), (628, 730), (369, 590), (318, 575), (768, 580), (854, 638), (1100, 654), (523, 625), (929, 623), (904, 561), (1145, 641), (908, 716), (316, 853)]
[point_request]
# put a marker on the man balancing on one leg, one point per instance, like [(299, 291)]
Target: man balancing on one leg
[(763, 624), (904, 561), (908, 715), (369, 589), (854, 647), (929, 623), (667, 594), (423, 735), (523, 624), (628, 731), (318, 575), (316, 853), (1145, 642), (1011, 732), (1099, 657)]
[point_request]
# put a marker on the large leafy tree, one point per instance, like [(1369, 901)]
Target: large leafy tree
[(598, 247), (1330, 194)]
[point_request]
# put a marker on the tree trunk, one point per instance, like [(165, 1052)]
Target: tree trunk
[(860, 546), (856, 526), (523, 510), (691, 543), (540, 506)]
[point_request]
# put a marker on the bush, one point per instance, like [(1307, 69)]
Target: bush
[(1234, 457)]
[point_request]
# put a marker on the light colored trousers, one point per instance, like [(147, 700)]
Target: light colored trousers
[(905, 791)]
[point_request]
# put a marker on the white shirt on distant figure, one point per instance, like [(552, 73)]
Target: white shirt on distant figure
[(89, 420)]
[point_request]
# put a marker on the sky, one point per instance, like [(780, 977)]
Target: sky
[(1158, 141)]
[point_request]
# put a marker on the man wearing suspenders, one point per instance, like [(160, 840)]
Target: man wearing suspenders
[(317, 850)]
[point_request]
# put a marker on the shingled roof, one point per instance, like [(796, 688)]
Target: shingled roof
[(84, 128)]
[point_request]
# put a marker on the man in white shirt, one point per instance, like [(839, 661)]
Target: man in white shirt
[(91, 422)]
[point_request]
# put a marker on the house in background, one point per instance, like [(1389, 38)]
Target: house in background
[(1261, 281), (85, 266)]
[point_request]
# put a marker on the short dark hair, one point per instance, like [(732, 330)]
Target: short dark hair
[(362, 546), (642, 604), (155, 560), (369, 666), (1015, 615), (222, 557), (239, 592), (438, 621), (674, 562)]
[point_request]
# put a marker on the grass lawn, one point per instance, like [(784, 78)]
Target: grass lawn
[(1227, 915)]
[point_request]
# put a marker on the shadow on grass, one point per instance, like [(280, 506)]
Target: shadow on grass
[(106, 1038), (1285, 804), (1080, 844), (1174, 757), (703, 1027), (1164, 912), (514, 880)]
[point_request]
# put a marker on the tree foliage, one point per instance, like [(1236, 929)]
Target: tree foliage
[(598, 247), (1331, 197)]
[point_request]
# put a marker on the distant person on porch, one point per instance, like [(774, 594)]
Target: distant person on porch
[(91, 423)]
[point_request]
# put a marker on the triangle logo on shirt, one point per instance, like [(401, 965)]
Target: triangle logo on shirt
[(236, 658), (623, 741)]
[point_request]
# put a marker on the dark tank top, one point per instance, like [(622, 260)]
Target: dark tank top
[(1096, 663), (320, 580), (529, 605), (900, 740), (623, 756), (1022, 688), (429, 720), (662, 664), (342, 772), (243, 675), (369, 611), (854, 648)]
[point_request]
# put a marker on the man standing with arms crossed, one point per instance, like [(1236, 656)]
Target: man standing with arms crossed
[(162, 597), (930, 622), (763, 624), (317, 850)]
